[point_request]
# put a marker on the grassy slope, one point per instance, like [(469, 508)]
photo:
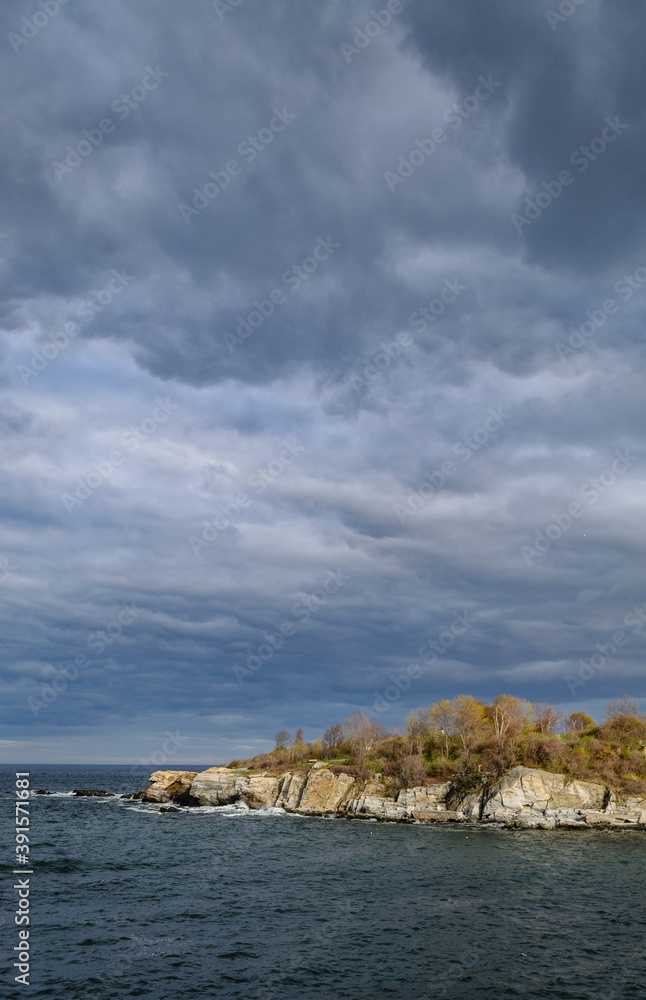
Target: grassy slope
[(611, 754)]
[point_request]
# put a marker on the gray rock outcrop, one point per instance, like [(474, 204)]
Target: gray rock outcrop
[(167, 786), (523, 797)]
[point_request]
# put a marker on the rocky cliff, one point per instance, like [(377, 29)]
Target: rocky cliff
[(524, 797)]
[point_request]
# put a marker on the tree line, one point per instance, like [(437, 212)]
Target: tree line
[(464, 719), (467, 736)]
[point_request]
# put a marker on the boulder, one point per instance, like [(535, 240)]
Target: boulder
[(376, 807), (424, 801), (215, 787), (290, 788), (220, 786), (168, 786), (323, 792), (528, 797), (627, 809), (259, 791)]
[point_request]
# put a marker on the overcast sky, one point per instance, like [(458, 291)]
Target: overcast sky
[(213, 218)]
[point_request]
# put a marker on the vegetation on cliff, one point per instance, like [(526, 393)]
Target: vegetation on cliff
[(474, 742)]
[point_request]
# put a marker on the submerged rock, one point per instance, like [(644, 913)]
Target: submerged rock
[(97, 793)]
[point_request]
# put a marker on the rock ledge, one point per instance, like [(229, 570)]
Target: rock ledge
[(523, 797)]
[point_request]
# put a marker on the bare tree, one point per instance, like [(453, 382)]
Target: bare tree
[(546, 717), (283, 739), (332, 737), (511, 715), (363, 733), (440, 718), (417, 729), (408, 771), (299, 738), (623, 706)]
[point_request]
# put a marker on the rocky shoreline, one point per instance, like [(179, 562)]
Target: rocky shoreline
[(522, 798)]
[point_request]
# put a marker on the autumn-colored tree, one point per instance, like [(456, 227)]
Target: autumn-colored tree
[(577, 722), (469, 721), (510, 715), (625, 720)]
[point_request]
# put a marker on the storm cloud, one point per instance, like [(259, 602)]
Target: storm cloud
[(322, 365)]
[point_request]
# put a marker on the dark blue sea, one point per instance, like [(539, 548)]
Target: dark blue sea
[(229, 903)]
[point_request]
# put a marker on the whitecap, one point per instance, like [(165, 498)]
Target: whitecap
[(150, 811), (56, 795)]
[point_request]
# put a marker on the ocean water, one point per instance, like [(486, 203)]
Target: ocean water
[(127, 901)]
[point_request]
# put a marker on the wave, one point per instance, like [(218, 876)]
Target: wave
[(56, 795), (73, 795), (233, 810), (148, 810)]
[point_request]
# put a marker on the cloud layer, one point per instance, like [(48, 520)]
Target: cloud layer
[(313, 358)]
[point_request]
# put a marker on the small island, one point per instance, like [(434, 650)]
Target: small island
[(460, 761)]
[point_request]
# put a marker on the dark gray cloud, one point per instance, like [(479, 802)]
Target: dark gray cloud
[(274, 427)]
